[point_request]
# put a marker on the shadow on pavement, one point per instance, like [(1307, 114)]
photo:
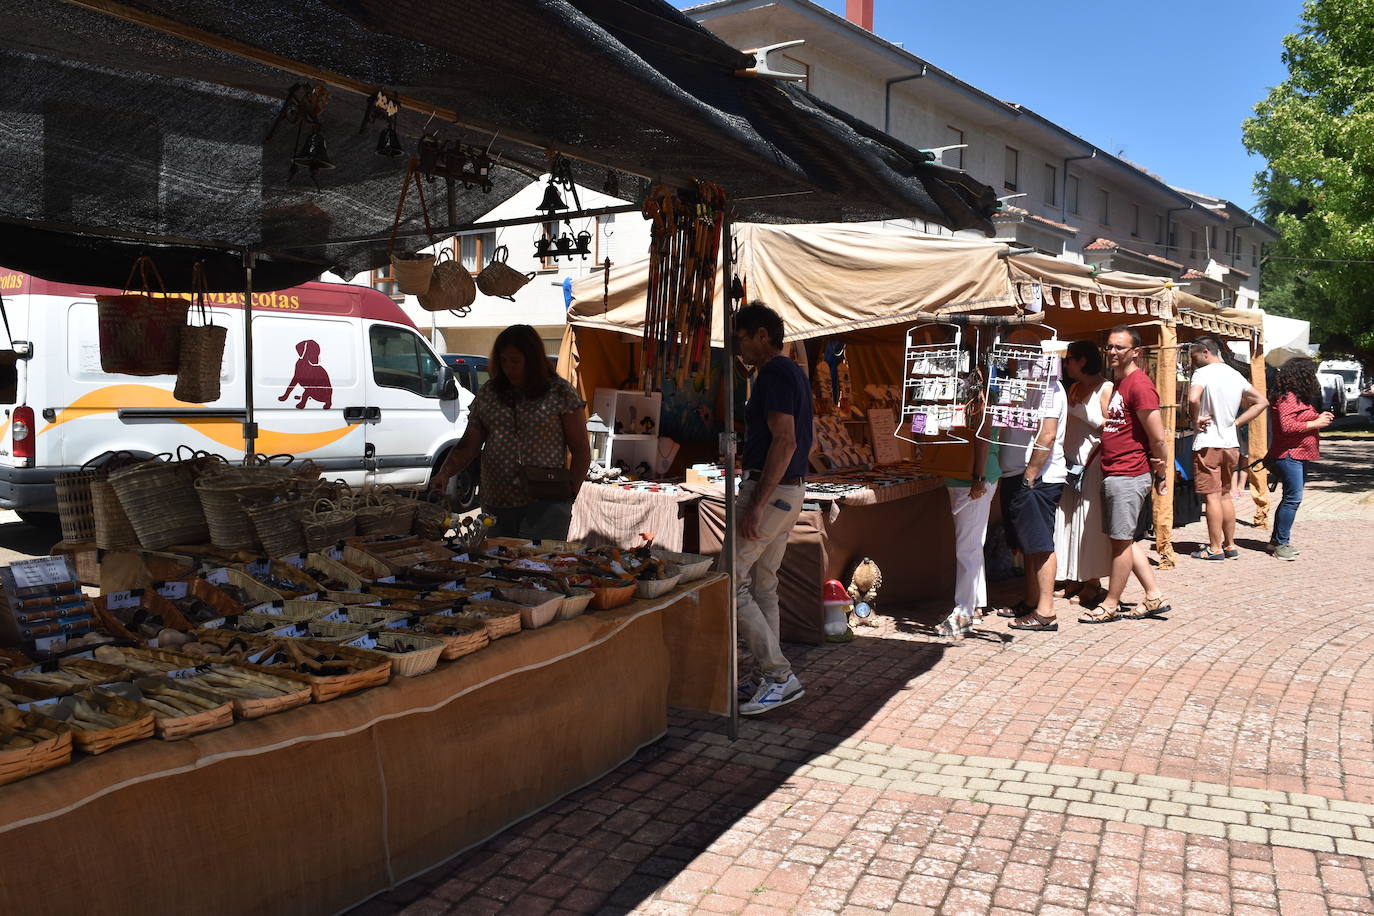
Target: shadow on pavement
[(26, 540)]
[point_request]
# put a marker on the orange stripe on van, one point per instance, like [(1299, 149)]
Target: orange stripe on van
[(226, 431)]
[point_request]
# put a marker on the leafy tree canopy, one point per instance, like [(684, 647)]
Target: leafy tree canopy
[(1316, 129)]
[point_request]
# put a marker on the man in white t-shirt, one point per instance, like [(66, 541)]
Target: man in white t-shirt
[(1220, 399), (1033, 474)]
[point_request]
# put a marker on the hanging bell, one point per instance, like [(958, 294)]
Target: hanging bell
[(552, 202), (389, 143), (314, 153)]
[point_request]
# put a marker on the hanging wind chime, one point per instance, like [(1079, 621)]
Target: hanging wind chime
[(683, 253)]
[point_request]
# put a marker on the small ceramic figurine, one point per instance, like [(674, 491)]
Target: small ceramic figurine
[(863, 589)]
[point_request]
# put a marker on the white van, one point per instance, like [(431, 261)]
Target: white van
[(341, 376), (1348, 375)]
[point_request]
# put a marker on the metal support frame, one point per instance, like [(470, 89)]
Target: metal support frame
[(250, 426), (727, 320)]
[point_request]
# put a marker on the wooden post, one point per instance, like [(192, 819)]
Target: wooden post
[(1166, 381), (1258, 433)]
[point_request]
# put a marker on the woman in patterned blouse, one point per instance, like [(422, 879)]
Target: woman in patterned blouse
[(1297, 418), (525, 416)]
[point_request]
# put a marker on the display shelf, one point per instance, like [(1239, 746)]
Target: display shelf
[(933, 385), (1019, 375)]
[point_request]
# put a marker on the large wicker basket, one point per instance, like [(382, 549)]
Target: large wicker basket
[(112, 528), (277, 522), (74, 508), (45, 755), (327, 522), (383, 513), (136, 721), (160, 501), (461, 635)]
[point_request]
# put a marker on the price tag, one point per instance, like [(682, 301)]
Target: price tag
[(268, 607), (218, 576), (462, 558), (527, 563), (390, 580), (365, 641), (310, 596), (404, 623), (119, 600), (262, 657), (40, 572), (216, 624), (186, 672), (259, 568), (334, 553), (38, 705), (448, 586), (173, 590), (297, 560), (336, 616)]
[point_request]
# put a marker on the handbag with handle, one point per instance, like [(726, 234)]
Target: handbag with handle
[(500, 279), (413, 272), (140, 332), (544, 482), (451, 289), (202, 349)]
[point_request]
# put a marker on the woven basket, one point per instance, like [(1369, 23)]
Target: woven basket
[(332, 569), (461, 635), (171, 728), (413, 273), (327, 523), (423, 658), (369, 617), (251, 624), (256, 592), (74, 507), (94, 672), (502, 617), (292, 581), (326, 631), (112, 528), (220, 492), (500, 279), (451, 287), (574, 604), (693, 566), (369, 669), (348, 598), (298, 686), (431, 517), (159, 498), (382, 513), (140, 333), (277, 522), (537, 607), (27, 761), (296, 610), (137, 722), (356, 559), (444, 571)]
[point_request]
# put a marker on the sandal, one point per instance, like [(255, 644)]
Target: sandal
[(1019, 609), (1035, 622), (1101, 615), (1150, 607)]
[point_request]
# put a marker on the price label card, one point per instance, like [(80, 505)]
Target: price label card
[(338, 616), (334, 553), (365, 641), (119, 600), (215, 624), (181, 673), (173, 590), (462, 558), (218, 576), (297, 560), (402, 624), (259, 568), (268, 607), (41, 572)]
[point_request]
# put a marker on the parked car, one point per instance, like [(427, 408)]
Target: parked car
[(341, 377), (469, 370)]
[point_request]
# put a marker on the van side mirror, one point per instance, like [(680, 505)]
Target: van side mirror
[(448, 386)]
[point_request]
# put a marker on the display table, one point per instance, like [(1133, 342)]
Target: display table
[(616, 516), (906, 529), (315, 809)]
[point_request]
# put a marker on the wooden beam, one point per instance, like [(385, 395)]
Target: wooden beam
[(1257, 437), (306, 71), (1166, 381)]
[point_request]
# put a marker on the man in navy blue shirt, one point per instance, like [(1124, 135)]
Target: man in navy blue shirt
[(777, 442)]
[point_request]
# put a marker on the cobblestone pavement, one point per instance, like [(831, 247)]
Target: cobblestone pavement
[(1220, 760)]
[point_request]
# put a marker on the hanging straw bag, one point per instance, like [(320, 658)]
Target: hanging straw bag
[(140, 333), (159, 498), (202, 349), (500, 279), (452, 289), (412, 272)]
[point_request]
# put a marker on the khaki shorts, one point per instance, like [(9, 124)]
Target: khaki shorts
[(1214, 469)]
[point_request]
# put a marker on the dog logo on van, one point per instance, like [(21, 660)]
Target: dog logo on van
[(310, 376)]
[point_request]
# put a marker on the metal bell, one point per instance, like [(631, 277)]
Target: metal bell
[(552, 200), (314, 154), (389, 143)]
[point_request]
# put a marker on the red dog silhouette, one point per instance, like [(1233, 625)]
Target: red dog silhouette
[(311, 376)]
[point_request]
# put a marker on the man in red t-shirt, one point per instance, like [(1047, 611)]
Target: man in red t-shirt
[(1132, 443)]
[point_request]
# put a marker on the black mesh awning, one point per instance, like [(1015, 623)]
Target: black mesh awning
[(142, 127)]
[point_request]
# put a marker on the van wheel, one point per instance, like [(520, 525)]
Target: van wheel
[(462, 489)]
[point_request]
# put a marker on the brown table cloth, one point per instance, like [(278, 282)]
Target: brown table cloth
[(906, 529), (616, 516), (315, 809)]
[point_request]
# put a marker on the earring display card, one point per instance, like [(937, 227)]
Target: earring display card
[(1019, 376), (933, 390)]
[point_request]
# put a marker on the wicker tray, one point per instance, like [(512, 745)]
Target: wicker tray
[(369, 616), (693, 565), (574, 604), (370, 669), (353, 556), (608, 593), (348, 597), (295, 609), (257, 592), (539, 547), (257, 707), (102, 674), (427, 650), (137, 725), (325, 631), (151, 602), (400, 558), (251, 624), (537, 608), (460, 635), (171, 729), (20, 762), (444, 571), (502, 618), (334, 570), (656, 588), (302, 584)]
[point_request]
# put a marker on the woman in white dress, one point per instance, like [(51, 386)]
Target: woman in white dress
[(1083, 553)]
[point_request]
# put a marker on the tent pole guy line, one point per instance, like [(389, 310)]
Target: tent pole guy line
[(338, 81)]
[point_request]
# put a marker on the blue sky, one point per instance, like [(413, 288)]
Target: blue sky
[(1167, 82)]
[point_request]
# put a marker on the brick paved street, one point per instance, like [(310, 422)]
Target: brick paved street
[(1219, 761)]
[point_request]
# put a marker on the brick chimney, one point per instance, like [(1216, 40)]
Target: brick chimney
[(859, 12)]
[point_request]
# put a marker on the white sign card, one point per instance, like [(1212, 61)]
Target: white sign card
[(882, 426)]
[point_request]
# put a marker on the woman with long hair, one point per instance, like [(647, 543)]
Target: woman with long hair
[(1081, 549), (524, 417), (1298, 416)]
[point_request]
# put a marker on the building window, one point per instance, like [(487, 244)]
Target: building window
[(1104, 209), (954, 158), (1211, 239), (1227, 239), (383, 282), (1192, 244), (604, 232), (1173, 235), (1072, 194), (1254, 256), (791, 65), (474, 250), (1013, 164), (1051, 185), (1159, 229)]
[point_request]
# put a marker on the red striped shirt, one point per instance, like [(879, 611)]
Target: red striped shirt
[(1292, 438)]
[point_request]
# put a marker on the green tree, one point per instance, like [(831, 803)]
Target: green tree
[(1316, 129)]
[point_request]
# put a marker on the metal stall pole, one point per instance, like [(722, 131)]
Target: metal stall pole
[(728, 447), (250, 426)]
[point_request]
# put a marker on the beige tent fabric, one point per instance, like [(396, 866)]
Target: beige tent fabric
[(829, 278)]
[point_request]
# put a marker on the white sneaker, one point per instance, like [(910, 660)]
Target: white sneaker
[(773, 694)]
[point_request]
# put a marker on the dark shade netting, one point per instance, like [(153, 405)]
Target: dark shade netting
[(116, 130)]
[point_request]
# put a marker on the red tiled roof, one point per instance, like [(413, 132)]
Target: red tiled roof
[(1009, 212), (1109, 245), (1237, 270), (1191, 274), (1101, 245), (1161, 259)]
